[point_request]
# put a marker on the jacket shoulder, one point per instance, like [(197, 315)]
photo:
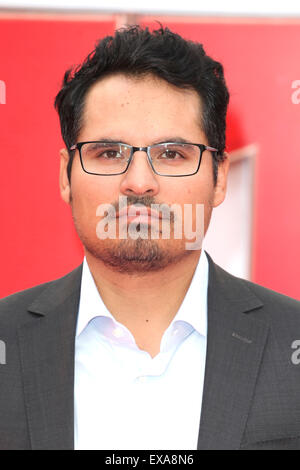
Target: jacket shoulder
[(272, 296), (264, 303), (282, 311), (279, 309), (12, 307), (234, 286)]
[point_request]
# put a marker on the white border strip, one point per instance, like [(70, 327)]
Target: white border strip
[(288, 8)]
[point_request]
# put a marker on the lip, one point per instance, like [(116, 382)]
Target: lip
[(141, 212)]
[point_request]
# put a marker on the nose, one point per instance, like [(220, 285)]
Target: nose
[(139, 179)]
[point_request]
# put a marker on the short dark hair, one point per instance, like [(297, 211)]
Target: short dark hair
[(138, 52)]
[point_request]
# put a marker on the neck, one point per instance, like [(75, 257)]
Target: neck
[(145, 304)]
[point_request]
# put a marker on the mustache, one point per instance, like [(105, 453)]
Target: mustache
[(134, 200), (146, 201)]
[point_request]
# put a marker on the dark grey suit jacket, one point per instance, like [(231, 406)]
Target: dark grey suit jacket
[(251, 397)]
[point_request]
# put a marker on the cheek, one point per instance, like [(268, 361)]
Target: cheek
[(93, 190), (88, 192), (197, 192), (191, 192)]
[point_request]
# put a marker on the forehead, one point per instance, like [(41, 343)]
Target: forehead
[(144, 106)]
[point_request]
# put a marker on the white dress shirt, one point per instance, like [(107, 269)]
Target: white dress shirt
[(124, 398)]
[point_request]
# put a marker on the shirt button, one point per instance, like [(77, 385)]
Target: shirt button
[(118, 332)]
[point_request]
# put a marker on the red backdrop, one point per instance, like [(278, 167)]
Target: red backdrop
[(38, 241)]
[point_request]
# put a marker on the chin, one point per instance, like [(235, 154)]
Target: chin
[(137, 256)]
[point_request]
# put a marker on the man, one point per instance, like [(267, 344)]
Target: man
[(148, 344)]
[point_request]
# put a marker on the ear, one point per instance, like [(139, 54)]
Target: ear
[(221, 184), (64, 184)]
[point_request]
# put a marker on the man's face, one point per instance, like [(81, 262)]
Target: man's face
[(139, 112)]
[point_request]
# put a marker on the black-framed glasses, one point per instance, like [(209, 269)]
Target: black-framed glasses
[(166, 159)]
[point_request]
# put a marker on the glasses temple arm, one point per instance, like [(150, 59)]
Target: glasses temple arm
[(211, 149)]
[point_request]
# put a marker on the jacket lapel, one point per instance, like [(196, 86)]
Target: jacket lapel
[(235, 343), (47, 344)]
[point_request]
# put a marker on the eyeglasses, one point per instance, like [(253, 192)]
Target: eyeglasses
[(166, 159)]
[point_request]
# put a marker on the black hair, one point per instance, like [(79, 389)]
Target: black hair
[(138, 52)]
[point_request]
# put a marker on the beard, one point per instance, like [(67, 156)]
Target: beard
[(130, 256)]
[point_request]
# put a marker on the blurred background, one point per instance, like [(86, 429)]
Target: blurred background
[(255, 233)]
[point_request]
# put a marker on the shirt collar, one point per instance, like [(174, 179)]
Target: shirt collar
[(91, 304), (193, 309)]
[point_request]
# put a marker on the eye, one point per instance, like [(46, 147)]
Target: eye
[(110, 154), (106, 153), (171, 155)]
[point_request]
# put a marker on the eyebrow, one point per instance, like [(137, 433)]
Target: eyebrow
[(177, 139)]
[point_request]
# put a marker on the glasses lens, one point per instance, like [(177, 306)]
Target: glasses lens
[(175, 159), (104, 158)]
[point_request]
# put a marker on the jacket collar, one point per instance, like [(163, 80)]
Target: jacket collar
[(47, 360), (235, 345)]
